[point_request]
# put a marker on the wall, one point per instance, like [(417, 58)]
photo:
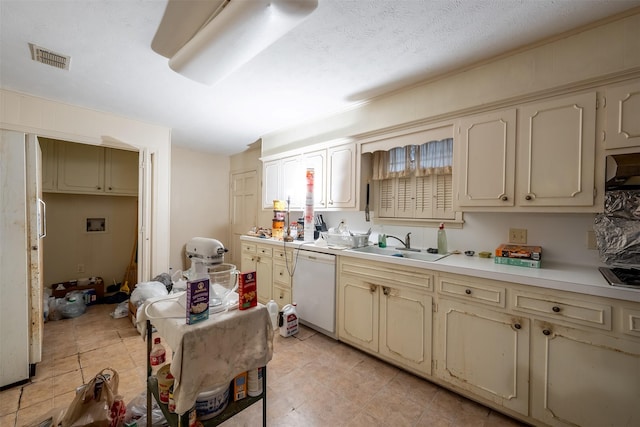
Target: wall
[(563, 237), (600, 52), (67, 244), (199, 201)]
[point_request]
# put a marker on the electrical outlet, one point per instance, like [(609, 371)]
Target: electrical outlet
[(80, 268), (591, 240), (518, 235)]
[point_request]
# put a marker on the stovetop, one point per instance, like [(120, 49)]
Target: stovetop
[(622, 277)]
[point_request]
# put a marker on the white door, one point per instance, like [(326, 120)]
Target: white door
[(14, 262), (244, 204)]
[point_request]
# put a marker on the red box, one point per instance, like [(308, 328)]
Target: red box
[(247, 290)]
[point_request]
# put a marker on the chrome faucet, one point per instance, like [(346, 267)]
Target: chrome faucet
[(406, 243)]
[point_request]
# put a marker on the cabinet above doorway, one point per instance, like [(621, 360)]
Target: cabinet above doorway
[(69, 167)]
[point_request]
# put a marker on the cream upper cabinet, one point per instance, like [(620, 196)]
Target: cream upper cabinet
[(556, 152), (485, 159), (317, 160), (49, 164), (536, 157), (88, 169), (283, 179), (271, 183), (336, 177), (121, 171), (341, 176), (583, 378), (623, 116), (80, 168)]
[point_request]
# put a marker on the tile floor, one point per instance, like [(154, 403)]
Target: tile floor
[(312, 381)]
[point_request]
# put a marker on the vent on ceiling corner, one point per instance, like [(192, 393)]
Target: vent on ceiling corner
[(49, 57)]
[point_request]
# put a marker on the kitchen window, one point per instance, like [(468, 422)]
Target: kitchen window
[(415, 181)]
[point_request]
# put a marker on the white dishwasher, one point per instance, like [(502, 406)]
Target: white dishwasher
[(314, 291)]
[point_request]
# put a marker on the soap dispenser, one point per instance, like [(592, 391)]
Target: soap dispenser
[(442, 239)]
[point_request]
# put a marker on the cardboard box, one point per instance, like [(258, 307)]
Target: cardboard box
[(519, 251), (133, 312), (247, 290), (197, 301), (518, 262), (59, 290)]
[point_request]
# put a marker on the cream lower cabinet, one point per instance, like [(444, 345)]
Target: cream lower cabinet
[(258, 258), (480, 347), (282, 265), (583, 378), (386, 311)]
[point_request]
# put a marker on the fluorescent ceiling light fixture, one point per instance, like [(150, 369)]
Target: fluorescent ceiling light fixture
[(235, 35)]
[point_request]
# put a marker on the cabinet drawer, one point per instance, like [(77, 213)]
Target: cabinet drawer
[(477, 291), (282, 296), (384, 274), (569, 310), (264, 250), (278, 254), (249, 248), (281, 275), (631, 321)]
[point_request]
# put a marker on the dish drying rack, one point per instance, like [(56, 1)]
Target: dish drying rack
[(346, 240)]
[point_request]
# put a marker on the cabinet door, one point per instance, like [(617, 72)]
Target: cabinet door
[(121, 172), (584, 378), (485, 158), (341, 176), (386, 198), (405, 327), (623, 116), (405, 197), (264, 278), (271, 183), (248, 261), (556, 152), (293, 182), (80, 168), (485, 352), (358, 308), (49, 164), (318, 161)]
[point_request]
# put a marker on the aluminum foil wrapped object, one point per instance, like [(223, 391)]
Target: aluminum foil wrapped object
[(618, 228)]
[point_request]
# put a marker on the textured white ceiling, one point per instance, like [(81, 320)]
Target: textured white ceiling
[(346, 51)]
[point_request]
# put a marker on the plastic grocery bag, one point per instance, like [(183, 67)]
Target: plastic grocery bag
[(146, 290), (72, 305), (92, 404)]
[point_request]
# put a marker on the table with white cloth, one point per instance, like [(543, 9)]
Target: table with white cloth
[(211, 352)]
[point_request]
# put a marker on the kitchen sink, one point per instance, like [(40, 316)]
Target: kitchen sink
[(399, 253)]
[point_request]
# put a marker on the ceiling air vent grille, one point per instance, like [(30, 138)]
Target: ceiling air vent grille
[(48, 57)]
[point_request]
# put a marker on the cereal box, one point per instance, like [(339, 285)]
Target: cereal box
[(247, 290), (519, 251), (197, 301)]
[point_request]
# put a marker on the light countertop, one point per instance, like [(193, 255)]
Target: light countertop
[(565, 277)]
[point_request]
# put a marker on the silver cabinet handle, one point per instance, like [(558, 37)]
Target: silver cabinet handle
[(43, 219)]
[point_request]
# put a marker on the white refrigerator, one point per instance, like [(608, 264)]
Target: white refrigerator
[(22, 228)]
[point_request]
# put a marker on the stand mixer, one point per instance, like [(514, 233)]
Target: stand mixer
[(207, 256)]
